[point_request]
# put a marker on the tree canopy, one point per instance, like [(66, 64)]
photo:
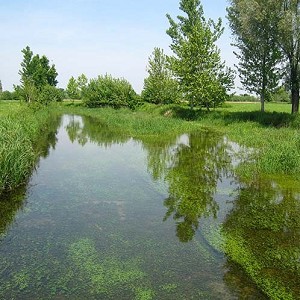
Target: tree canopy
[(38, 78), (253, 25), (196, 60), (160, 87)]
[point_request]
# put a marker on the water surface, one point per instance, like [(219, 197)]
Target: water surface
[(106, 216)]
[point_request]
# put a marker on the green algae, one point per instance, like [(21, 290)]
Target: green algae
[(106, 275)]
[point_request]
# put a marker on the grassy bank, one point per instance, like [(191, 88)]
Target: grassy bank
[(274, 134), (22, 136)]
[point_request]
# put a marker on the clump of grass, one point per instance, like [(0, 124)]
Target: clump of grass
[(16, 154), (20, 132), (281, 156)]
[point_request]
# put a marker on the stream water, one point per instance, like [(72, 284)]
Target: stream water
[(106, 216)]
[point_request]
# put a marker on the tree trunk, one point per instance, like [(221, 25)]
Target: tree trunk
[(295, 89), (262, 102)]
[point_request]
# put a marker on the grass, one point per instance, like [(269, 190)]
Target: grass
[(21, 129)]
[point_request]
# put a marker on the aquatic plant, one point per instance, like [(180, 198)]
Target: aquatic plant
[(106, 275)]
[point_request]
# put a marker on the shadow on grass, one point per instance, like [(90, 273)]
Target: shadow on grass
[(268, 119)]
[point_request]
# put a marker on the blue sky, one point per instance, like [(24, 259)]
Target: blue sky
[(93, 36)]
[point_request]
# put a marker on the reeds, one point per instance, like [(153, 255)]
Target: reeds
[(19, 133)]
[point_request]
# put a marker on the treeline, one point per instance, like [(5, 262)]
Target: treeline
[(194, 73), (267, 35)]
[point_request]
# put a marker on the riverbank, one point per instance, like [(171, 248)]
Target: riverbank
[(274, 135), (24, 132)]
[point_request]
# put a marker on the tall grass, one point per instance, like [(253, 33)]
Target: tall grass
[(136, 123), (20, 131)]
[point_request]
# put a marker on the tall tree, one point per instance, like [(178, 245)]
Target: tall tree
[(38, 78), (253, 23), (1, 89), (160, 87), (288, 12), (73, 89), (196, 62), (37, 70), (82, 82)]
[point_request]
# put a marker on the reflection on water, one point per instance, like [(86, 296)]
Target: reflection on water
[(107, 216)]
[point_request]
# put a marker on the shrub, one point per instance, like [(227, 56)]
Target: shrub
[(109, 91), (243, 98), (7, 95), (281, 95), (50, 94)]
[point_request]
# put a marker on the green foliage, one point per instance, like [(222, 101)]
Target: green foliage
[(109, 91), (281, 95), (160, 87), (288, 27), (76, 87), (196, 62), (281, 157), (73, 89), (243, 98), (253, 26), (50, 94), (7, 95), (82, 82), (36, 74)]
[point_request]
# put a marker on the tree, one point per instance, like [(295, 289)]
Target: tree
[(1, 89), (196, 62), (73, 89), (160, 87), (253, 24), (288, 12), (82, 82), (36, 74)]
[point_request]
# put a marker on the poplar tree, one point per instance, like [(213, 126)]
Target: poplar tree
[(196, 62), (160, 87), (288, 12), (73, 89), (253, 24)]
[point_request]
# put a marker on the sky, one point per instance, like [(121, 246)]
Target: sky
[(93, 37)]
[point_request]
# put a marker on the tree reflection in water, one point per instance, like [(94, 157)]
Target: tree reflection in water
[(192, 171)]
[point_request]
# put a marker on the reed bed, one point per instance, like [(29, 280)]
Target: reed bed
[(20, 130)]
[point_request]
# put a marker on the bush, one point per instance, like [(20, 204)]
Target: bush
[(243, 98), (281, 95), (7, 95), (109, 91), (50, 94)]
